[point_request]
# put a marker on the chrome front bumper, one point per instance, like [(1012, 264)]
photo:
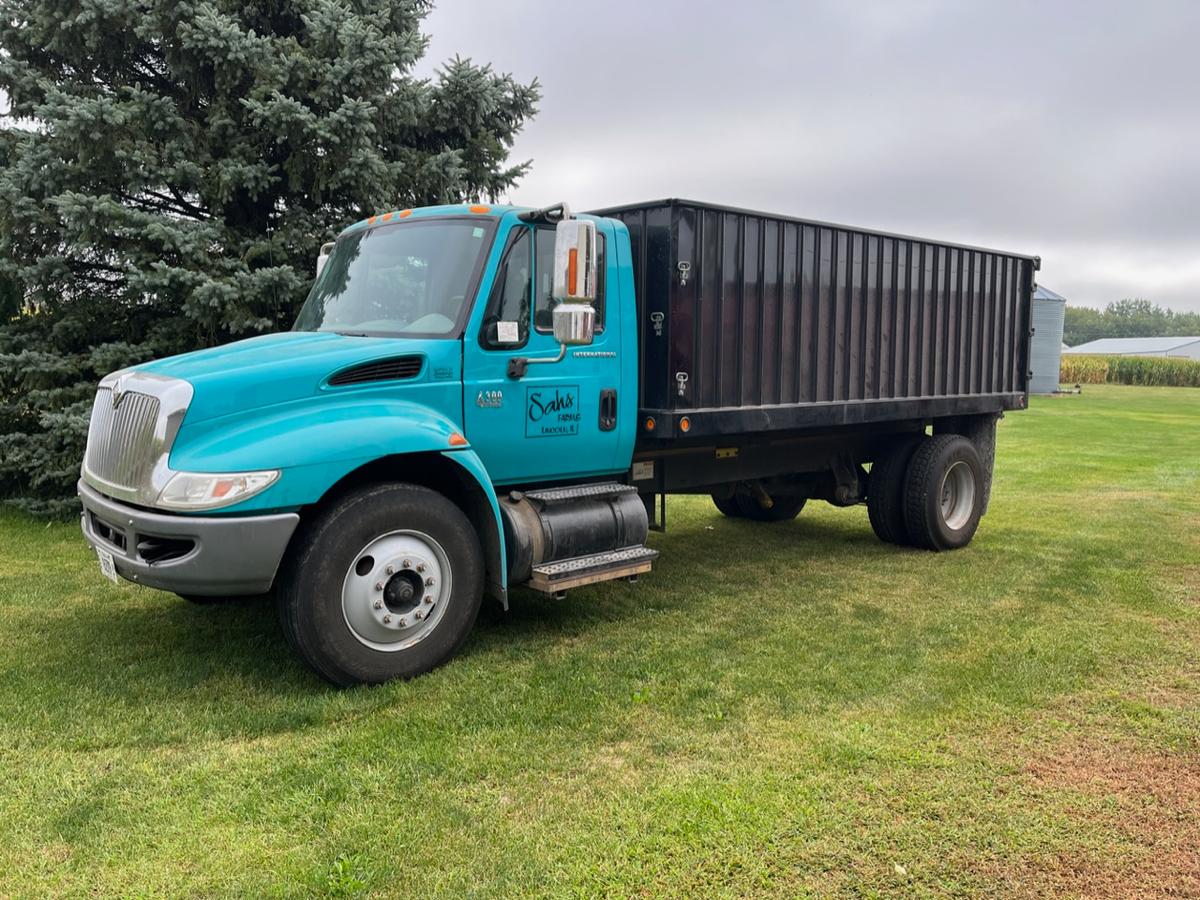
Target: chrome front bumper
[(205, 555)]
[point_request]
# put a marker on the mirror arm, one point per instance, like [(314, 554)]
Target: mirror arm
[(555, 213), (518, 365)]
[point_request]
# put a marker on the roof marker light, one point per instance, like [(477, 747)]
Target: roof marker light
[(404, 214), (479, 210)]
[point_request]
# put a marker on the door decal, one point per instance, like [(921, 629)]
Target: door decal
[(552, 410)]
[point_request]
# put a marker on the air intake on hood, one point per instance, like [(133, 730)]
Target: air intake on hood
[(393, 369)]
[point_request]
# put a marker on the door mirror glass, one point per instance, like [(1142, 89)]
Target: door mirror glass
[(323, 256), (574, 323), (575, 261)]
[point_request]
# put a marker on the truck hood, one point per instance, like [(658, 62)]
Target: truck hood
[(278, 368)]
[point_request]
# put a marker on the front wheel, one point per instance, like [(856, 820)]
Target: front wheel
[(386, 583)]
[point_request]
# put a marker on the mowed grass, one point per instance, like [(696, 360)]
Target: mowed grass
[(784, 709)]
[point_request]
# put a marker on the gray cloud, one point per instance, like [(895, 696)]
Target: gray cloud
[(1071, 130)]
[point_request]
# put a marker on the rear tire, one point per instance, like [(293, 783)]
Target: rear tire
[(782, 509), (885, 491), (728, 506), (943, 493), (744, 505), (384, 583)]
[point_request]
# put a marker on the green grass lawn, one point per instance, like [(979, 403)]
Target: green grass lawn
[(784, 709)]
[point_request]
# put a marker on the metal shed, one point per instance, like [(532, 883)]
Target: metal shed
[(1046, 345), (1179, 347)]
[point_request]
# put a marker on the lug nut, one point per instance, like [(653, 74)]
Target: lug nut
[(379, 585), (406, 565), (429, 599), (391, 570), (387, 620), (420, 567), (429, 582), (402, 622), (378, 604), (417, 615)]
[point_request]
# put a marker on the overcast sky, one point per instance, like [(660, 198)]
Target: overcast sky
[(1070, 130)]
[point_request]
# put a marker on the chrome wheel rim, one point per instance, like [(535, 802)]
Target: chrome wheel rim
[(957, 495), (396, 590)]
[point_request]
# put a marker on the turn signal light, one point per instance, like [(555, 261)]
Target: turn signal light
[(457, 440)]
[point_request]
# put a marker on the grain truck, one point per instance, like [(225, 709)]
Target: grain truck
[(480, 398)]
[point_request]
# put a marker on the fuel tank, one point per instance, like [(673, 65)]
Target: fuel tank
[(554, 524)]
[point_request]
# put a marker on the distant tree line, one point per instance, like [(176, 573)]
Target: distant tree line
[(1127, 318)]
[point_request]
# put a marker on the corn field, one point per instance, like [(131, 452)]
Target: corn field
[(1147, 370)]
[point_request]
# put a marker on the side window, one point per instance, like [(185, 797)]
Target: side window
[(506, 320), (544, 302)]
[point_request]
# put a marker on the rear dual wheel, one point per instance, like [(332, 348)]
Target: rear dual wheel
[(927, 492), (744, 505), (943, 493)]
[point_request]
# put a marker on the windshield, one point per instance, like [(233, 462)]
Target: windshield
[(411, 278)]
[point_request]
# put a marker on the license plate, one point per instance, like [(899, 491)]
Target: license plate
[(108, 566)]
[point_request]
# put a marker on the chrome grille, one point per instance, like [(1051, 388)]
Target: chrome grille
[(121, 447)]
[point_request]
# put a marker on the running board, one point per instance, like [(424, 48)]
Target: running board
[(556, 577), (550, 496)]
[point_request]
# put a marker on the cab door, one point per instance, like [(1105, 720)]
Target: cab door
[(559, 420)]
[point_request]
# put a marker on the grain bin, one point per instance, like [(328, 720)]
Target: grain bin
[(1045, 348)]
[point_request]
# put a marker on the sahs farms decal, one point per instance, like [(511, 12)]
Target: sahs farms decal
[(552, 411)]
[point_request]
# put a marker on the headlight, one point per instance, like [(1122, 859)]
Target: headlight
[(203, 490)]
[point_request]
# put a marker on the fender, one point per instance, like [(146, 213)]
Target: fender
[(316, 442)]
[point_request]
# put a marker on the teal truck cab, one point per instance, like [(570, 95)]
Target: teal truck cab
[(477, 398)]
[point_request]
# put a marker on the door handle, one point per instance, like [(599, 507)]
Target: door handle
[(608, 409)]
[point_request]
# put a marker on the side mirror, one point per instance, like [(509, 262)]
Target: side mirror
[(575, 261), (574, 323), (323, 256), (574, 281), (574, 288)]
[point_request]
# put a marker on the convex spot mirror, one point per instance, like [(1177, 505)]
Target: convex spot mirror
[(574, 281)]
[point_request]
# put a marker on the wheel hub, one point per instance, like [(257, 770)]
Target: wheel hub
[(958, 495), (396, 590), (402, 592)]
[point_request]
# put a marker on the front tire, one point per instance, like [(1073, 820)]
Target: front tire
[(943, 493), (385, 583)]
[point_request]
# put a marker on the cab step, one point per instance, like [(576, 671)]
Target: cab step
[(550, 496), (556, 577)]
